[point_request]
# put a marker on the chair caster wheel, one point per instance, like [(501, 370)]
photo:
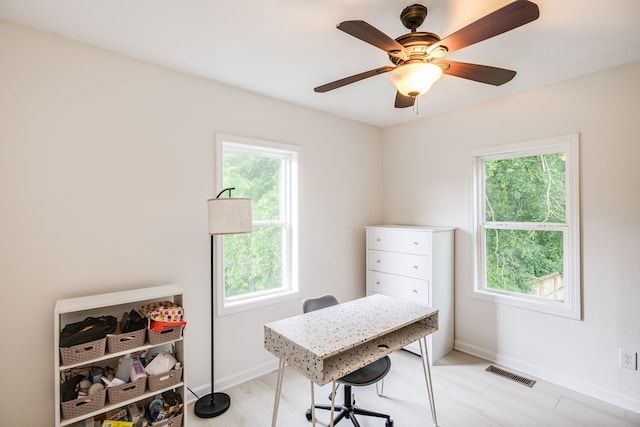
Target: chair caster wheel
[(389, 423), (308, 414)]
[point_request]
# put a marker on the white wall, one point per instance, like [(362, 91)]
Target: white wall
[(106, 164), (427, 181)]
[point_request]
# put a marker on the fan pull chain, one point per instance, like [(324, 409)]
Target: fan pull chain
[(415, 105)]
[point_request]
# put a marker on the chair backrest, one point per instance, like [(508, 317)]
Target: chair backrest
[(312, 304)]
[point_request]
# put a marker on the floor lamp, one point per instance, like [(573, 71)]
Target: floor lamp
[(226, 216)]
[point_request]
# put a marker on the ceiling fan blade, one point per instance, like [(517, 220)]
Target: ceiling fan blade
[(479, 73), (370, 34), (352, 79), (507, 18), (403, 101)]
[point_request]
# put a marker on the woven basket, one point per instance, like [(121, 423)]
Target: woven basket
[(83, 405), (124, 342), (168, 334), (171, 378), (170, 422), (83, 352), (126, 391)]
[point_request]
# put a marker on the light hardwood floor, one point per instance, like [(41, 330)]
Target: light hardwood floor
[(465, 395)]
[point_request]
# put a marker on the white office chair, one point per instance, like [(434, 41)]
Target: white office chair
[(367, 375)]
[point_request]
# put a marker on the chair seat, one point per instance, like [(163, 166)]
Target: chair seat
[(370, 374)]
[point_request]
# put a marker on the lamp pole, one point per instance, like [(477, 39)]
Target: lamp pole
[(212, 404)]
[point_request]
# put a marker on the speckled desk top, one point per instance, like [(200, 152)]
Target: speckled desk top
[(329, 343)]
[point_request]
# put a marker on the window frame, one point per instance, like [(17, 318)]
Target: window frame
[(571, 307), (290, 224)]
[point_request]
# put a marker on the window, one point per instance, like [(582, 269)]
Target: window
[(261, 267), (526, 225)]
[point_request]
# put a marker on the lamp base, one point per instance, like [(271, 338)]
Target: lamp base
[(212, 405)]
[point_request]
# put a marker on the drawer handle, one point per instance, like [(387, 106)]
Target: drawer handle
[(378, 239), (415, 266), (378, 261), (416, 243), (415, 291), (377, 283)]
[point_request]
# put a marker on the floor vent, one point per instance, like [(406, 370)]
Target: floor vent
[(511, 376)]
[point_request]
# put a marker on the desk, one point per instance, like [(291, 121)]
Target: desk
[(327, 344)]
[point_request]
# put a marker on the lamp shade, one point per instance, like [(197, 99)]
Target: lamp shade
[(414, 79), (230, 216)]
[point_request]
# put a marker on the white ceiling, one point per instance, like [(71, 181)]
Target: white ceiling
[(284, 48)]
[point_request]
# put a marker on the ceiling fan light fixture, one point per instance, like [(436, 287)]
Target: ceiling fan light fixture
[(415, 78)]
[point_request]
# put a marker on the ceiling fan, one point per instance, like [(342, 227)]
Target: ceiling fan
[(417, 56)]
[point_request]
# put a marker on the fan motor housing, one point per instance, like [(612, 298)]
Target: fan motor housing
[(416, 46)]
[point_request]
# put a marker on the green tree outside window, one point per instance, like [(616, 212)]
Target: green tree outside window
[(524, 195), (253, 262)]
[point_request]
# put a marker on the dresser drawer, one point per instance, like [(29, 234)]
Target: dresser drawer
[(400, 240), (417, 266), (397, 286)]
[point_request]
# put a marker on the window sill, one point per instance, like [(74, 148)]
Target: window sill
[(556, 308), (227, 308)]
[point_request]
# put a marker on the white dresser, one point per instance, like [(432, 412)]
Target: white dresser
[(415, 263)]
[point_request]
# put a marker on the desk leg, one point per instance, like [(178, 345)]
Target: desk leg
[(313, 404), (278, 391), (333, 401), (427, 376)]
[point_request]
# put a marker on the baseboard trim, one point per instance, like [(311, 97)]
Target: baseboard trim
[(552, 377), (233, 380)]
